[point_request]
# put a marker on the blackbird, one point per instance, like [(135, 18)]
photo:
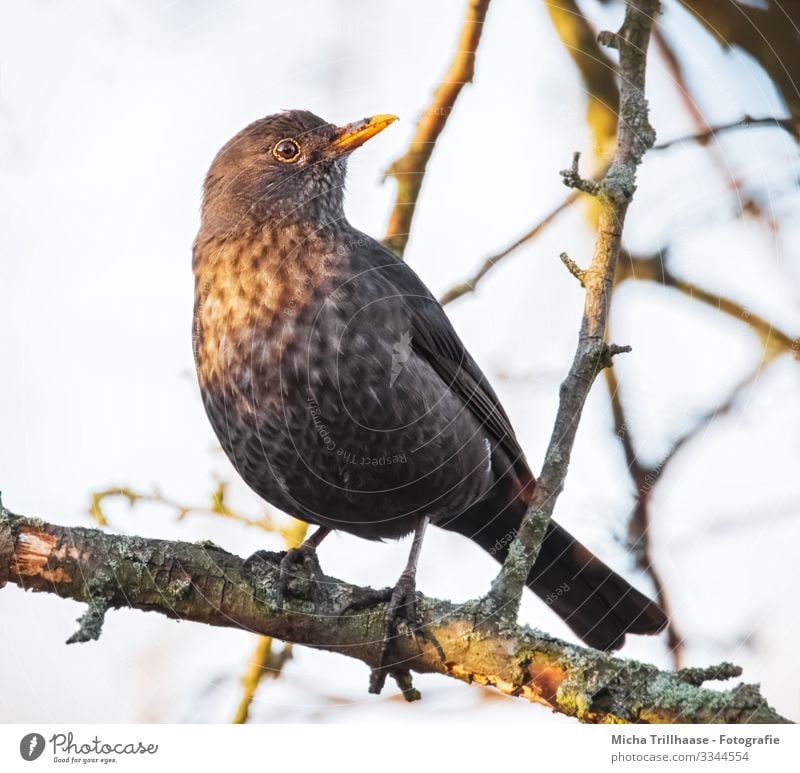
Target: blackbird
[(339, 389)]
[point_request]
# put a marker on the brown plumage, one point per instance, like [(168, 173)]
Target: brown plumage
[(341, 392)]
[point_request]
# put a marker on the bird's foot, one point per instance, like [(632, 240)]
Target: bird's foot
[(402, 607), (304, 556), (366, 598), (295, 565)]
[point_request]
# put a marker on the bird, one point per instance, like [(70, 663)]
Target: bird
[(341, 392)]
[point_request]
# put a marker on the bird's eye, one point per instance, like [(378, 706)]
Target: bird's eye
[(286, 150)]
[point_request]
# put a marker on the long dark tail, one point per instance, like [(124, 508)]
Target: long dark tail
[(593, 600)]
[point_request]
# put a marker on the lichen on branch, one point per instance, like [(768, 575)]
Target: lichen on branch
[(204, 583), (614, 193)]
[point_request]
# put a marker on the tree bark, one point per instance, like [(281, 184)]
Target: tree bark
[(203, 583)]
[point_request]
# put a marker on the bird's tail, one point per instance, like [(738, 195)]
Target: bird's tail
[(592, 599)]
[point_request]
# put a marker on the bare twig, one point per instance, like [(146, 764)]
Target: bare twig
[(745, 122), (203, 583), (409, 169), (572, 178), (645, 478), (468, 285), (635, 136), (217, 507)]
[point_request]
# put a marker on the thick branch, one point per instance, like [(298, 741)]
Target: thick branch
[(615, 191), (409, 169), (204, 583)]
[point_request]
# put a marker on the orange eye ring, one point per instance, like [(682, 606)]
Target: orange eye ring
[(286, 150)]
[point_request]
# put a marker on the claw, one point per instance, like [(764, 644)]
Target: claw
[(402, 606), (303, 554)]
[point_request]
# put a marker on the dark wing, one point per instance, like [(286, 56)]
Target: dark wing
[(434, 339)]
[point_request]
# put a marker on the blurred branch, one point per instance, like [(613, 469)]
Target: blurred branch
[(704, 131), (770, 34), (409, 169), (644, 480), (218, 507), (598, 73), (653, 268), (614, 192), (710, 132), (204, 583), (263, 663), (468, 285)]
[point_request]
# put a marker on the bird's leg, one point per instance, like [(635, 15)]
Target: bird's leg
[(402, 605), (305, 553)]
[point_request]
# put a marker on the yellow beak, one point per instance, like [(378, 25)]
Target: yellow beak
[(353, 135)]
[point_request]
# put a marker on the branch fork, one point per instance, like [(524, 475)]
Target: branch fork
[(572, 178)]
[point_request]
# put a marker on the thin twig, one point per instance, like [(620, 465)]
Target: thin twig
[(468, 285), (644, 479), (635, 136), (218, 507), (745, 122), (409, 169), (574, 269)]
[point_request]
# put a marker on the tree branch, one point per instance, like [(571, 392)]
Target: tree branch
[(704, 136), (615, 191), (409, 169), (203, 583), (468, 285)]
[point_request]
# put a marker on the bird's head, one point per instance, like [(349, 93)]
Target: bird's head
[(283, 167)]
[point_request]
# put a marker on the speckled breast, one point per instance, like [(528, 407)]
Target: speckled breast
[(316, 396)]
